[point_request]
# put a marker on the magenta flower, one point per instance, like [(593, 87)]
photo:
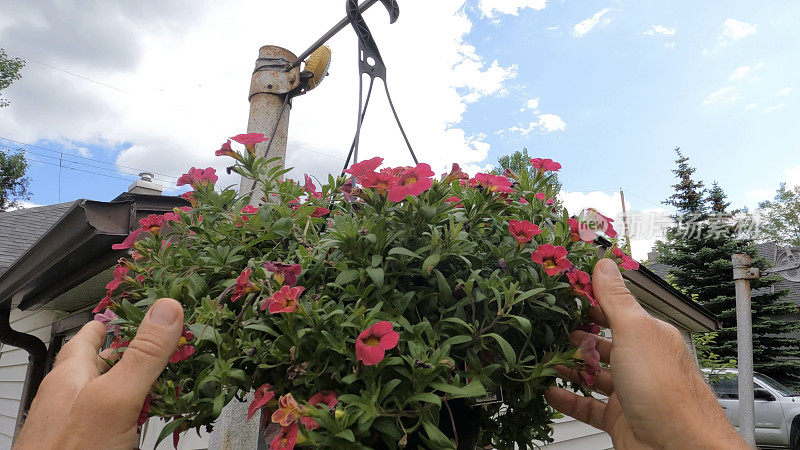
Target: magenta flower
[(580, 232), (358, 170), (310, 188), (198, 177), (284, 273), (119, 276), (455, 174), (599, 222), (144, 412), (523, 231), (589, 328), (243, 285), (553, 259), (492, 183), (105, 317), (411, 181), (456, 200), (626, 262), (288, 412), (545, 165), (372, 343), (260, 399), (129, 241), (582, 284), (184, 350), (381, 181), (250, 140), (286, 439), (328, 398), (283, 301), (587, 351), (152, 223), (104, 303), (320, 211)]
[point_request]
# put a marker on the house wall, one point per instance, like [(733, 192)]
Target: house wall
[(14, 366)]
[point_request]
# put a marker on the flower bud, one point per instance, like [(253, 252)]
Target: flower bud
[(338, 413)]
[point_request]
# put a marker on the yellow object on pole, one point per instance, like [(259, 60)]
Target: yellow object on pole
[(318, 64)]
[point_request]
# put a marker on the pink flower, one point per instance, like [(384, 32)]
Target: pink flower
[(545, 165), (310, 188), (347, 190), (372, 343), (184, 350), (105, 317), (328, 398), (626, 262), (580, 232), (455, 174), (596, 221), (152, 223), (522, 200), (587, 351), (288, 412), (250, 140), (249, 209), (381, 181), (508, 173), (119, 277), (286, 439), (198, 177), (284, 273), (226, 150), (104, 303), (553, 259), (119, 343), (492, 183), (243, 285), (582, 284), (263, 395), (283, 301), (144, 412), (411, 181), (128, 242), (589, 328), (320, 211), (543, 198), (189, 196), (523, 231), (358, 170), (456, 200)]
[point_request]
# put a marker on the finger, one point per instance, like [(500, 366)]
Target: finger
[(586, 409), (602, 344), (616, 301), (596, 315), (148, 352), (603, 383), (85, 344)]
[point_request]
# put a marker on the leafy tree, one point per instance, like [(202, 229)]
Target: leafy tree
[(13, 182), (699, 250), (9, 72), (519, 161), (780, 218)]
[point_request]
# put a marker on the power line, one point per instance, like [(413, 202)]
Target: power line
[(79, 170), (315, 151), (71, 73)]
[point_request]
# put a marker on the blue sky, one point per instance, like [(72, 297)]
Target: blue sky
[(608, 88)]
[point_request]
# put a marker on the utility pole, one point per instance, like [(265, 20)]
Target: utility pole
[(742, 274), (625, 223), (270, 105)]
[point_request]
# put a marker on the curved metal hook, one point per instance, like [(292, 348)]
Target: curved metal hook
[(367, 47)]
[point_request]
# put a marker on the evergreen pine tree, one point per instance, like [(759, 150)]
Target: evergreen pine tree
[(699, 250)]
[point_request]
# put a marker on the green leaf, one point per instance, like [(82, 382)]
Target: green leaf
[(505, 347), (430, 263), (524, 323), (219, 402), (168, 429), (346, 276), (455, 340), (205, 332), (346, 435), (458, 321), (425, 397), (473, 389), (436, 435), (388, 388), (376, 274), (132, 313), (403, 251)]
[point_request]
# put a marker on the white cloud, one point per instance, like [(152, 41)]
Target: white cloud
[(733, 30), (546, 123), (532, 104), (743, 71), (490, 8), (726, 95), (751, 106), (659, 29), (189, 76), (586, 25), (553, 28), (669, 46), (775, 107), (784, 92)]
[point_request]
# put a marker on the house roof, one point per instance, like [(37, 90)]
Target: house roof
[(20, 229)]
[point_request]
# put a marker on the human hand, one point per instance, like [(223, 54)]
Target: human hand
[(657, 395), (79, 406)]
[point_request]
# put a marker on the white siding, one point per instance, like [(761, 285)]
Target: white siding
[(14, 365)]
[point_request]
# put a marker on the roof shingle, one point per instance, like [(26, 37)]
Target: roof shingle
[(22, 228)]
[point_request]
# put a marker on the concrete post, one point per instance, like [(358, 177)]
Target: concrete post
[(269, 86), (742, 274)]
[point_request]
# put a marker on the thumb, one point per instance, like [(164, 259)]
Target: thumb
[(616, 301), (148, 353)]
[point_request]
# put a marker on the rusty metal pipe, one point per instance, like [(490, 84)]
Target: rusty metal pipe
[(336, 28)]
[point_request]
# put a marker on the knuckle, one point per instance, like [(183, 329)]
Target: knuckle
[(619, 290), (145, 347)]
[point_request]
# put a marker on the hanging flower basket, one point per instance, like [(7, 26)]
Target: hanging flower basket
[(386, 309)]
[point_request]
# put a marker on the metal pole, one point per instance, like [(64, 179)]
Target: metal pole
[(269, 86), (742, 274)]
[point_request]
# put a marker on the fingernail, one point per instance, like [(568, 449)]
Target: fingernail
[(609, 268), (164, 313)]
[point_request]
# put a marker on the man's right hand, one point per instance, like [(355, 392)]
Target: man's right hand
[(657, 395)]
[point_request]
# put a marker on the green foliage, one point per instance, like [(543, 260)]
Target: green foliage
[(519, 161), (780, 218), (699, 253), (689, 196), (13, 182), (473, 312), (9, 72)]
